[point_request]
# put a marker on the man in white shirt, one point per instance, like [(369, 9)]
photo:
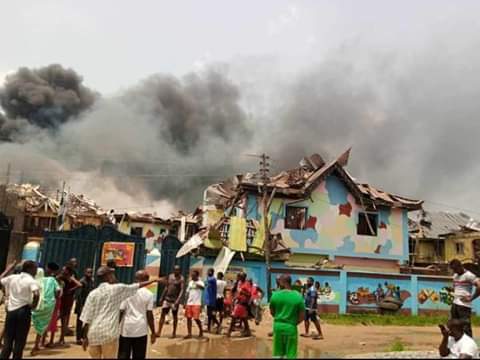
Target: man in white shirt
[(463, 283), (455, 343), (137, 317), (23, 296), (193, 306), (221, 286), (101, 314)]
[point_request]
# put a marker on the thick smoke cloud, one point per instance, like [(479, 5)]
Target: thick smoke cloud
[(411, 122), (47, 97), (164, 139)]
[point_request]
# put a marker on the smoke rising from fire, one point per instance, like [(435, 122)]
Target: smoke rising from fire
[(47, 97), (411, 122)]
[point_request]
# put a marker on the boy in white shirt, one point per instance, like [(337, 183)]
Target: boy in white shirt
[(137, 316), (193, 306), (456, 344)]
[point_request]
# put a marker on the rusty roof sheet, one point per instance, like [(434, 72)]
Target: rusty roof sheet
[(434, 224), (300, 182)]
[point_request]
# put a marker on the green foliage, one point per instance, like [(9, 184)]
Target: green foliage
[(397, 345)]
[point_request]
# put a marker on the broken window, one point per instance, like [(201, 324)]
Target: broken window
[(295, 218), (459, 248), (367, 224), (136, 231)]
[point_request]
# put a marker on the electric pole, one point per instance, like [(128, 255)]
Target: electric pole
[(264, 174)]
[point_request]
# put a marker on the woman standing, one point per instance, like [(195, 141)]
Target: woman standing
[(42, 315)]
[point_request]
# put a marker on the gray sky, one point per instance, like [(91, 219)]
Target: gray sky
[(398, 81), (113, 44)]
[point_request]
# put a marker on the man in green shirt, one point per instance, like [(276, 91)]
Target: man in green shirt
[(288, 310)]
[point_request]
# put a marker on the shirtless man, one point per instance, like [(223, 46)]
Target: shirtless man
[(171, 298)]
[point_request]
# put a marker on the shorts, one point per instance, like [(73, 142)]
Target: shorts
[(220, 304), (167, 306), (193, 311), (285, 341), (310, 316), (240, 311)]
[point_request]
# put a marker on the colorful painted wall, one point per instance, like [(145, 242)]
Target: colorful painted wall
[(150, 231), (331, 226)]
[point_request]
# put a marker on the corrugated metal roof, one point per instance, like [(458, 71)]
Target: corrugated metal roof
[(432, 225)]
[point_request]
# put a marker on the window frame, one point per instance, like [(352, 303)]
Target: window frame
[(375, 226), (305, 217)]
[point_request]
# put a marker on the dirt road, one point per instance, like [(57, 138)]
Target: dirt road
[(339, 341)]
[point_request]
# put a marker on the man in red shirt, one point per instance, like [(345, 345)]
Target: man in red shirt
[(240, 309)]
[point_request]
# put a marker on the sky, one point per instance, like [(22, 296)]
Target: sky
[(395, 80), (114, 44)]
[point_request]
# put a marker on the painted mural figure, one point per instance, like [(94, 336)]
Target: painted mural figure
[(379, 293)]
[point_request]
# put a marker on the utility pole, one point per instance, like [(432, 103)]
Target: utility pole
[(264, 174), (5, 193), (61, 210)]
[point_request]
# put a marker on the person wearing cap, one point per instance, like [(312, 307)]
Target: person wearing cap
[(101, 313)]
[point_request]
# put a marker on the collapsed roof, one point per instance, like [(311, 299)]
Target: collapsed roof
[(434, 225), (301, 181), (32, 198)]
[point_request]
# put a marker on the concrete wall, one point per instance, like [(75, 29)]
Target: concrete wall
[(152, 242), (331, 226)]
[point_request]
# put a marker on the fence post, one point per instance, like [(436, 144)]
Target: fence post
[(414, 292), (343, 292)]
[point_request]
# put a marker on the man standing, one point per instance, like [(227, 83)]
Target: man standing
[(311, 306), (193, 306), (101, 314), (171, 298), (288, 310), (463, 283), (455, 343), (211, 299), (81, 296), (243, 295), (220, 306), (71, 284), (23, 296), (137, 314)]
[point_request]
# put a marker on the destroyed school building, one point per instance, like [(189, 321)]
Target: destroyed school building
[(29, 212)]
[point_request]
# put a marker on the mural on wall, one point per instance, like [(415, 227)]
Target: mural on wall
[(331, 224), (365, 296), (325, 289), (435, 297)]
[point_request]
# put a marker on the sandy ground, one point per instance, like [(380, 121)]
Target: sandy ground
[(339, 341)]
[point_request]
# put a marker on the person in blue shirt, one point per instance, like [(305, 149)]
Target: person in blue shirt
[(211, 299), (311, 304)]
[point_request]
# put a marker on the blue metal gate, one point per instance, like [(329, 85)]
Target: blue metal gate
[(168, 260), (86, 244)]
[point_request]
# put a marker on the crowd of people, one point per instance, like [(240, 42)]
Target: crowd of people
[(113, 320)]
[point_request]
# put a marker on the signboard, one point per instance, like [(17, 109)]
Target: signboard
[(121, 252)]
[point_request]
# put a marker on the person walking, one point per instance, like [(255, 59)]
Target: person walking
[(41, 316), (101, 314), (80, 297), (220, 305), (170, 300), (23, 296), (311, 305), (137, 316), (193, 306), (288, 310), (463, 283), (211, 299)]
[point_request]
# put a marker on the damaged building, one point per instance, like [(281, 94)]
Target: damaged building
[(30, 211), (438, 237), (321, 220)]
